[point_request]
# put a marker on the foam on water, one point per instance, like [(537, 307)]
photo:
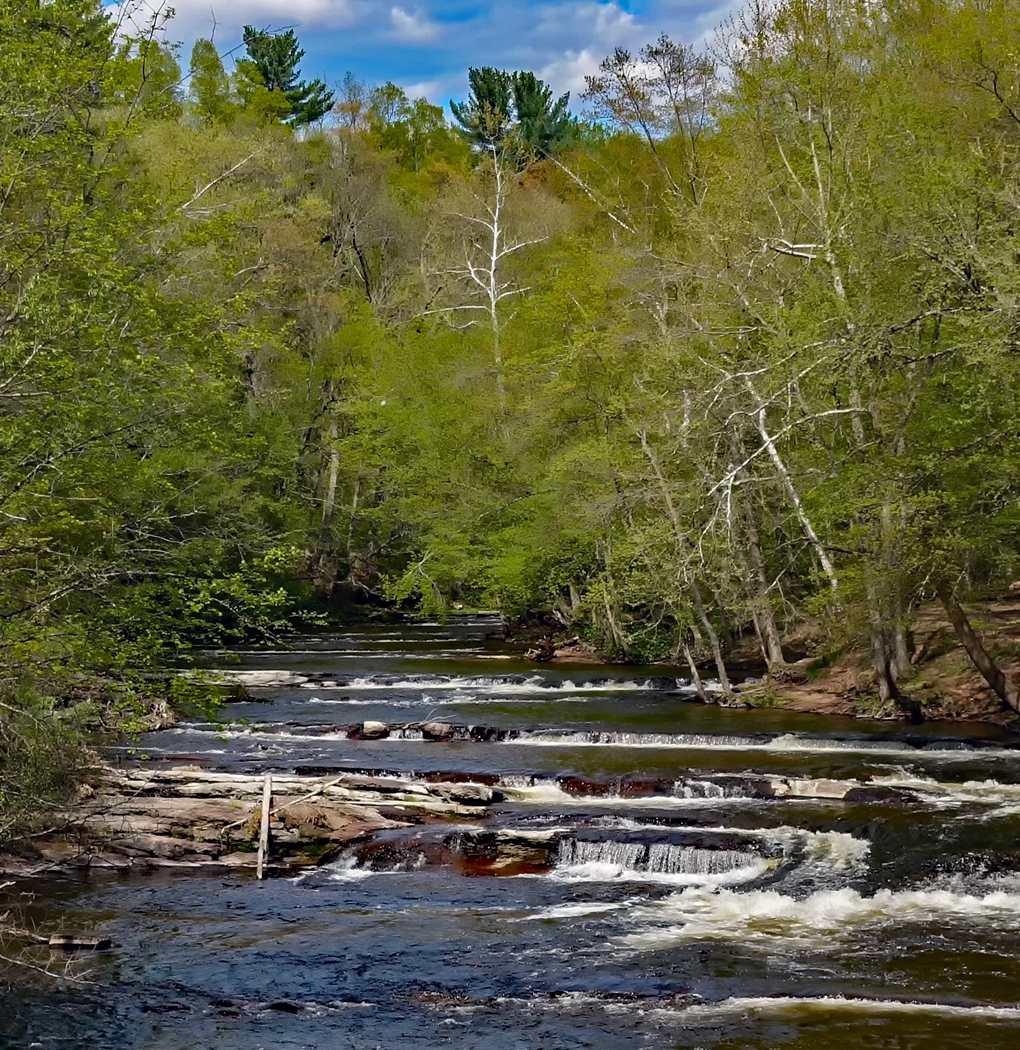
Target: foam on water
[(427, 700), (786, 742), (257, 733), (540, 792), (773, 920), (349, 869), (772, 1006), (1004, 797), (608, 738), (579, 909), (685, 794), (532, 685)]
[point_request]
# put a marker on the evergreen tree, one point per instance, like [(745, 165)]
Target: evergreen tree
[(487, 116), (543, 125), (502, 105), (276, 57)]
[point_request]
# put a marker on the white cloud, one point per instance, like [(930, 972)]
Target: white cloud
[(198, 18), (438, 92), (412, 26), (587, 20), (567, 72)]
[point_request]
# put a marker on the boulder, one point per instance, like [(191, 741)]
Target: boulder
[(437, 730), (321, 821), (369, 731), (489, 733), (465, 794)]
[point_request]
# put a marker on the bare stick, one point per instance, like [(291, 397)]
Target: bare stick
[(230, 171), (267, 796)]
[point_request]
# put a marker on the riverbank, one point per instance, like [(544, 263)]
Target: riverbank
[(944, 685)]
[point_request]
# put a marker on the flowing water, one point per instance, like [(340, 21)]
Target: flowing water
[(666, 874)]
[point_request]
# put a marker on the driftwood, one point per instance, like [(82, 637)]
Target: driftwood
[(70, 942)]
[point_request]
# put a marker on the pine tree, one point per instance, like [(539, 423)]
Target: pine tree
[(487, 116), (542, 124), (276, 57), (501, 105)]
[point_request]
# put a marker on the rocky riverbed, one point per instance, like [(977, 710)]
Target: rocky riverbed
[(189, 817), (465, 850)]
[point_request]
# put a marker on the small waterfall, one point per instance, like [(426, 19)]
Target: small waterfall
[(729, 786), (700, 789), (517, 780), (656, 858), (622, 739), (629, 855), (500, 685)]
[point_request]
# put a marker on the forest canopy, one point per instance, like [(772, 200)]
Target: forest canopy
[(734, 346)]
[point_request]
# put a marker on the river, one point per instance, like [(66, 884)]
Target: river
[(687, 905)]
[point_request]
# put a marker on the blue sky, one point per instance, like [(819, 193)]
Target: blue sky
[(426, 46)]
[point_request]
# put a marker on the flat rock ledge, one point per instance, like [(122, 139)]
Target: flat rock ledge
[(138, 820)]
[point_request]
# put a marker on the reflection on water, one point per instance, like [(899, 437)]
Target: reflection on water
[(660, 874)]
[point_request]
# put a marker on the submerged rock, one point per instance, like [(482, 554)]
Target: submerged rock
[(466, 794)]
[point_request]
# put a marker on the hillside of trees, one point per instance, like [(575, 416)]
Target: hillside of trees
[(737, 348)]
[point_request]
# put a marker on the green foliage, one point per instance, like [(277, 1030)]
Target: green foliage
[(209, 91), (415, 132), (486, 118), (751, 336), (42, 762)]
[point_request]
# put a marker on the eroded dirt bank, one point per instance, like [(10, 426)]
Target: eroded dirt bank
[(824, 677)]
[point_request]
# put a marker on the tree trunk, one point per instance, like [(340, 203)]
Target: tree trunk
[(902, 662), (329, 499), (791, 491), (322, 562), (618, 635), (1004, 689), (713, 638), (883, 650), (352, 522), (695, 677), (725, 634), (764, 617)]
